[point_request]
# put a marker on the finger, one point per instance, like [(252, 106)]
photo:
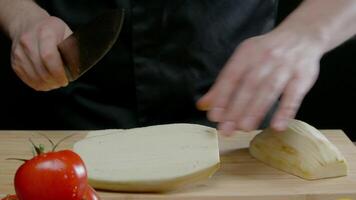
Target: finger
[(51, 58), (290, 103), (242, 96), (20, 73), (29, 45), (227, 77), (222, 94), (219, 95), (236, 103), (266, 95), (24, 69)]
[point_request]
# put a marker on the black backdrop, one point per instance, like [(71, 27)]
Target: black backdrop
[(329, 105)]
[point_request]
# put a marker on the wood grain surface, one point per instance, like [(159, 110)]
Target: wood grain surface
[(240, 176)]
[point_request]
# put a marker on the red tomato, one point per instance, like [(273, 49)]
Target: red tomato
[(52, 176), (10, 197), (91, 194)]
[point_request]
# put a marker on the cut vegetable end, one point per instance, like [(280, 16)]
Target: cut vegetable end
[(301, 150)]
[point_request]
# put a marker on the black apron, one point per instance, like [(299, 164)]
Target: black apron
[(168, 55)]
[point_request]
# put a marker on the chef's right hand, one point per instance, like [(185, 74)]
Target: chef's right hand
[(35, 57)]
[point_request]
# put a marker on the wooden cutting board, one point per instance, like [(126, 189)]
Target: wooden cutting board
[(240, 176)]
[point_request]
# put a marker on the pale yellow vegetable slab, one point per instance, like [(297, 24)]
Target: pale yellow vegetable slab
[(150, 159)]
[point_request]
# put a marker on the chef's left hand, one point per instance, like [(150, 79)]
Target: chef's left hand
[(261, 70)]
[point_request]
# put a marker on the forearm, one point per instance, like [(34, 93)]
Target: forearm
[(325, 22), (16, 15)]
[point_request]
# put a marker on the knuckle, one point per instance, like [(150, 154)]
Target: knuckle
[(16, 54), (25, 40), (44, 32), (46, 56), (274, 57)]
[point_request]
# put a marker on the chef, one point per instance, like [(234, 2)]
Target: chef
[(176, 59)]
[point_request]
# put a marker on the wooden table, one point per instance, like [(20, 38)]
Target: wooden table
[(240, 176)]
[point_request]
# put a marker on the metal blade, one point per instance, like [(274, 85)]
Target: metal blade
[(87, 45)]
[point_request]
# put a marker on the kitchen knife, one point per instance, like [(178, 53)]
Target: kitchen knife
[(87, 45)]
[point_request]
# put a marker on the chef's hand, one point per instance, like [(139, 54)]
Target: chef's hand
[(259, 71), (35, 57)]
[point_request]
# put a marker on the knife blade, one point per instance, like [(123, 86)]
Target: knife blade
[(90, 43)]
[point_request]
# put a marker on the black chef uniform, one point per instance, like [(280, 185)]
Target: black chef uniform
[(167, 56)]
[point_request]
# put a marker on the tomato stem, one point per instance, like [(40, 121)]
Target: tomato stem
[(18, 159), (60, 141), (39, 149), (50, 141)]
